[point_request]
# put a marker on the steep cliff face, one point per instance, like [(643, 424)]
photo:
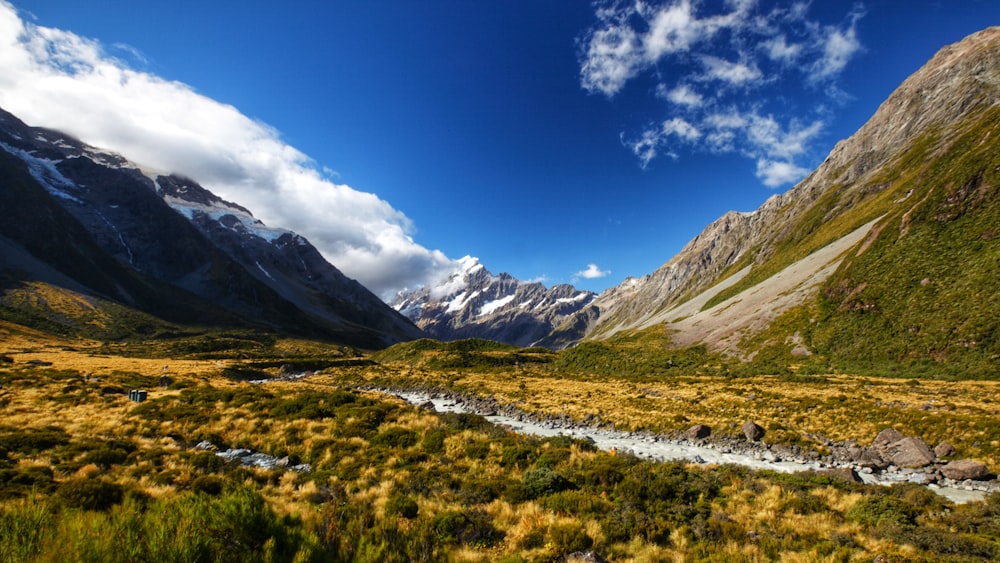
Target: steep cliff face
[(865, 177)]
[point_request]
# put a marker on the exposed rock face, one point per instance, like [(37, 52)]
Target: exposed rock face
[(473, 303), (753, 431), (963, 469), (910, 452)]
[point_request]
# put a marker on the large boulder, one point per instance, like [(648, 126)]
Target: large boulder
[(698, 432), (886, 437), (910, 452), (753, 431), (962, 469)]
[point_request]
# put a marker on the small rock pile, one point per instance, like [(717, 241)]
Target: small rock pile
[(249, 458), (897, 457)]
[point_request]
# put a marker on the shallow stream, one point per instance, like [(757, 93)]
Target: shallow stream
[(664, 449)]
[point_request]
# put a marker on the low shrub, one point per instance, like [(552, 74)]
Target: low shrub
[(90, 494), (542, 481), (32, 440), (882, 509), (395, 437), (402, 505)]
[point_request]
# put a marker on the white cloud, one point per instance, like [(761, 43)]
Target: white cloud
[(736, 74), (683, 95), (592, 272), (681, 128), (57, 79), (672, 29), (839, 47), (778, 49), (774, 174), (765, 74)]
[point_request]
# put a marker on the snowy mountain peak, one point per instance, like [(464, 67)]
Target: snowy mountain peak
[(473, 303)]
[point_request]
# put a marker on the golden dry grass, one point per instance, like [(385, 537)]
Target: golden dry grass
[(833, 409), (839, 407)]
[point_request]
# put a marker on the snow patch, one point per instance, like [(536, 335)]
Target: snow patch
[(263, 270), (575, 298), (458, 303), (492, 306), (245, 222), (45, 172)]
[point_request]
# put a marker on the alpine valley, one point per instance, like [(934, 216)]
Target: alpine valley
[(814, 380)]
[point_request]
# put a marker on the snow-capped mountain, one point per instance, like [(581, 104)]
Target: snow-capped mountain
[(164, 229), (473, 303)]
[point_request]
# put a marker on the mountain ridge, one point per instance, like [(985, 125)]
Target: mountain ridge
[(172, 241), (474, 303), (871, 174)]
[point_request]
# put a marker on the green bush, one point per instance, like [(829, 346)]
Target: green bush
[(433, 442), (403, 506), (32, 440), (542, 481), (90, 494), (395, 437), (471, 527), (211, 485), (876, 510)]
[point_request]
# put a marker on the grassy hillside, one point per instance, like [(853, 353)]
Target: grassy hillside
[(920, 295)]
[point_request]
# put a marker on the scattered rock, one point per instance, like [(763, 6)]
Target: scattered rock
[(886, 437), (944, 449), (871, 459), (585, 557), (963, 469), (427, 405), (698, 432), (205, 445), (752, 431), (910, 452)]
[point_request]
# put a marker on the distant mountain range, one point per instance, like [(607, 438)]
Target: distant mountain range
[(473, 303), (888, 252)]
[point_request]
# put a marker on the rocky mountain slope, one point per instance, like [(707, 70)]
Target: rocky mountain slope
[(891, 238), (91, 222), (473, 303)]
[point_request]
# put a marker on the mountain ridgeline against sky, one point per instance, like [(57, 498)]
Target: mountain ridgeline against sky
[(473, 303), (888, 251), (91, 222)]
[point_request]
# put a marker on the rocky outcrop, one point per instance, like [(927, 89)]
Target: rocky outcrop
[(944, 449)]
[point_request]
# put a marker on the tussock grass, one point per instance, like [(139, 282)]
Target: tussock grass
[(91, 476)]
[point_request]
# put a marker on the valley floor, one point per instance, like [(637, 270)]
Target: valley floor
[(87, 474)]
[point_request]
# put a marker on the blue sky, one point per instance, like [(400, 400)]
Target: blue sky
[(559, 141)]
